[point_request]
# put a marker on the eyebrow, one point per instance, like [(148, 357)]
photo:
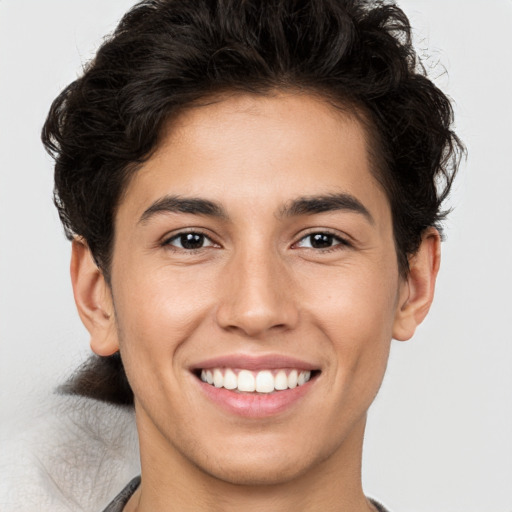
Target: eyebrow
[(307, 205), (312, 205), (177, 204)]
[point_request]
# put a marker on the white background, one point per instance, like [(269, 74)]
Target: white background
[(440, 433)]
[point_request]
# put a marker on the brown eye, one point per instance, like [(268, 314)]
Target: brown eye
[(321, 241), (190, 241)]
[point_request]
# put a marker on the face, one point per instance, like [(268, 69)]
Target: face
[(255, 249)]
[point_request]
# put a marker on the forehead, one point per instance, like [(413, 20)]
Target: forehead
[(254, 150)]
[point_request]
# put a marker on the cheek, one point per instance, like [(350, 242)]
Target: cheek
[(156, 315), (356, 312), (158, 310), (356, 303)]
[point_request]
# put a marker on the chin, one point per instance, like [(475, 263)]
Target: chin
[(257, 473), (261, 464)]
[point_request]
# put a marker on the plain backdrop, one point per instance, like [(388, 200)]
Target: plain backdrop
[(439, 436)]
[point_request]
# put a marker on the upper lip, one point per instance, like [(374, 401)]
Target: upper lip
[(255, 363)]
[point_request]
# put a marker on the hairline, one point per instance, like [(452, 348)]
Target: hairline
[(351, 108)]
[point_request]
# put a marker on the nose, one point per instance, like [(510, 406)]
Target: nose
[(257, 296)]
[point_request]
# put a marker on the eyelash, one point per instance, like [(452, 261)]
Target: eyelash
[(167, 242), (341, 243)]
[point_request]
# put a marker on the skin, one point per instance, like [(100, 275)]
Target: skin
[(256, 287)]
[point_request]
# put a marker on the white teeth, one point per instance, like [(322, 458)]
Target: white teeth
[(281, 380), (264, 381), (230, 379), (218, 378), (292, 379), (246, 381)]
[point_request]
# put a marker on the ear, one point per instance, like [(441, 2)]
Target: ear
[(417, 289), (93, 300)]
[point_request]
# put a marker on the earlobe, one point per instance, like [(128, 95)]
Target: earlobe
[(93, 299), (417, 292)]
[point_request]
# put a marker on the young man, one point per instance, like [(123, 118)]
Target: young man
[(250, 188)]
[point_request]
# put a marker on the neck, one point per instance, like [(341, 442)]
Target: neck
[(172, 483)]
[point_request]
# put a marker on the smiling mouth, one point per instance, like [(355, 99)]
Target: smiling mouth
[(263, 381)]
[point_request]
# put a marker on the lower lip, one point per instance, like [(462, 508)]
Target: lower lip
[(255, 405)]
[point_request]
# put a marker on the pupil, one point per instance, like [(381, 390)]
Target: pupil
[(321, 240), (192, 241)]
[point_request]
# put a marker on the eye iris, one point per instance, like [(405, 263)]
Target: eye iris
[(192, 240), (321, 240)]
